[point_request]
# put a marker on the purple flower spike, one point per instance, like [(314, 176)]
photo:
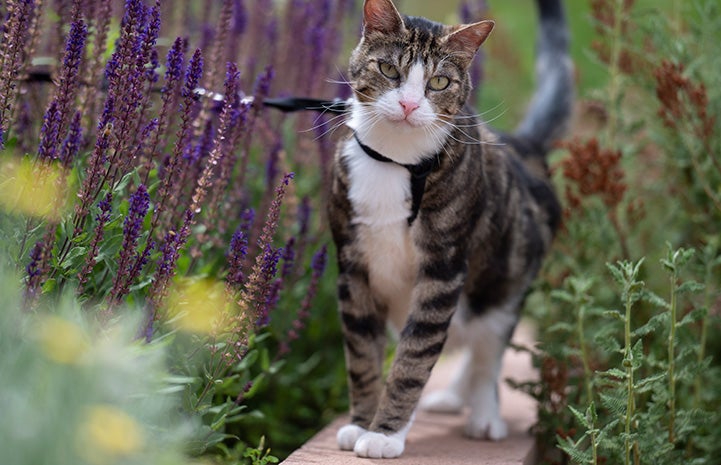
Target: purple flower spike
[(68, 85), (193, 75), (262, 83), (268, 295), (236, 255), (470, 12), (174, 64), (74, 48), (288, 257), (49, 133), (240, 18), (139, 204), (72, 142), (129, 259), (13, 53)]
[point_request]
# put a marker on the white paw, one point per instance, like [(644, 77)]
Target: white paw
[(442, 402), (348, 435), (493, 428), (379, 446)]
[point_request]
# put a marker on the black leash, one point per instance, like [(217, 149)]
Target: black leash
[(293, 104), (286, 105)]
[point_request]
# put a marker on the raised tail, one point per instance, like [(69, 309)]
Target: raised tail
[(550, 110)]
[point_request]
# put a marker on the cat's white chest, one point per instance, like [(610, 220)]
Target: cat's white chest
[(380, 195)]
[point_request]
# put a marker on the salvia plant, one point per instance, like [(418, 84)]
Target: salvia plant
[(630, 299), (143, 186)]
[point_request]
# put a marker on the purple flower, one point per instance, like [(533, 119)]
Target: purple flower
[(129, 262), (16, 28), (72, 142), (319, 262), (49, 132), (470, 12), (262, 83), (169, 255), (32, 269), (172, 176), (106, 208), (271, 166), (192, 77), (304, 210), (267, 298), (174, 65), (68, 81), (465, 13), (236, 254), (74, 49), (240, 18), (288, 257), (39, 266), (139, 204)]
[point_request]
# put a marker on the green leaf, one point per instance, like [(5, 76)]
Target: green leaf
[(49, 286), (693, 316)]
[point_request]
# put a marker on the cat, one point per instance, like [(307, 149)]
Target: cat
[(437, 218)]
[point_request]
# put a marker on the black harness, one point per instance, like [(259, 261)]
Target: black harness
[(419, 174)]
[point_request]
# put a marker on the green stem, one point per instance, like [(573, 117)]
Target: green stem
[(594, 442), (584, 353), (628, 362), (672, 358)]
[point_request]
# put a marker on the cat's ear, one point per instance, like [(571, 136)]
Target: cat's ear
[(468, 38), (381, 16)]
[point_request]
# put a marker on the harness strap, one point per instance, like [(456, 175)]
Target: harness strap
[(419, 174)]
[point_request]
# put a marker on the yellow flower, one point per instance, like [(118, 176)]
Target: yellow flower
[(107, 434), (198, 305), (61, 340), (33, 188)]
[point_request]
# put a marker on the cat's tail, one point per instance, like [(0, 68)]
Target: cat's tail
[(550, 110)]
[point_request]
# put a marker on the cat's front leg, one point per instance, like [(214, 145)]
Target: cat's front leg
[(364, 332), (434, 301)]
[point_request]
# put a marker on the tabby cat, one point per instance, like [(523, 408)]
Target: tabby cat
[(438, 219)]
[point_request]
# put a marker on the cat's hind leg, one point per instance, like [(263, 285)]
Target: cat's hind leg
[(488, 336)]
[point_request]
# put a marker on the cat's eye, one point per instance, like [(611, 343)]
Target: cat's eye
[(439, 83), (389, 71)]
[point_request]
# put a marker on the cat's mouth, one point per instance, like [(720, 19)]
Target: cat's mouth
[(410, 121)]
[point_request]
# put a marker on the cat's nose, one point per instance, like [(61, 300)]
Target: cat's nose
[(409, 106)]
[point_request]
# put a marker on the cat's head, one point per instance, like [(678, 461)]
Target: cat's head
[(411, 72)]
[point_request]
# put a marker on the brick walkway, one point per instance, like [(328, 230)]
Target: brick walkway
[(437, 439)]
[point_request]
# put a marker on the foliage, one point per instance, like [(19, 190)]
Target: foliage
[(143, 185), (629, 372), (74, 393)]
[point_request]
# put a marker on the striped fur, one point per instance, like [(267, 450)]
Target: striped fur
[(487, 217)]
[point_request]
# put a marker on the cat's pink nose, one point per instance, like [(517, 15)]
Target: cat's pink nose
[(409, 106)]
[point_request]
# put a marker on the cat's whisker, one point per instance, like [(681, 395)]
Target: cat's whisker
[(483, 114), (332, 124)]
